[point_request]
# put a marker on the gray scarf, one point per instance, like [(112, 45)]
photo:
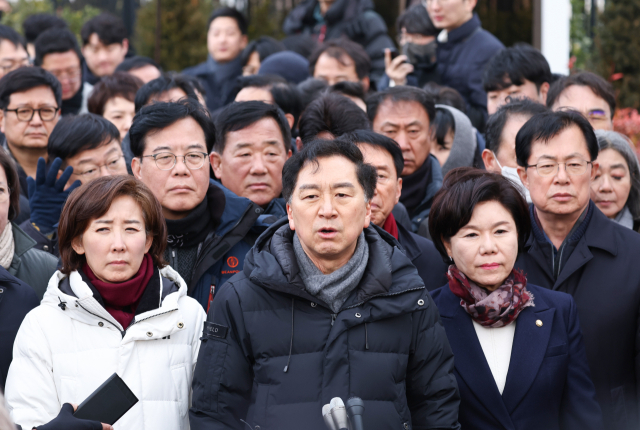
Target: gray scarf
[(334, 288), (624, 218)]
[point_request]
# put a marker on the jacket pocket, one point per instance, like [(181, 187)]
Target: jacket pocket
[(553, 351), (619, 407), (181, 384)]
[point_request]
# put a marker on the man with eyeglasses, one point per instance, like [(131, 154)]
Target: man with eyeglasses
[(82, 148), (13, 51), (30, 101), (576, 249), (209, 227), (57, 52), (587, 93)]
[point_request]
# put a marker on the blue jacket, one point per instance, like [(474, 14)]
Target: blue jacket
[(420, 218), (603, 276), (548, 384), (16, 300), (222, 252), (461, 63), (218, 79)]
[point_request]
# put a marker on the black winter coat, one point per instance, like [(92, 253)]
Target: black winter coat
[(424, 255), (273, 355), (16, 300), (603, 276)]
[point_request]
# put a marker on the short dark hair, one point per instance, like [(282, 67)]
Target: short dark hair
[(120, 84), (545, 126), (26, 78), (76, 133), (333, 113), (462, 190), (137, 62), (443, 123), (109, 28), (229, 12), (55, 41), (264, 46), (513, 65), (338, 49), (366, 173), (416, 20), (523, 107), (93, 200), (310, 89), (13, 183), (446, 96), (401, 94), (348, 88), (158, 116), (368, 137), (597, 84), (35, 24), (160, 85), (8, 33), (239, 115), (285, 95)]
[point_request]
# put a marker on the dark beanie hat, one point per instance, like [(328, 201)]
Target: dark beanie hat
[(291, 66)]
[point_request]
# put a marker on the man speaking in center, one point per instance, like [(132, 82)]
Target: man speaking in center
[(326, 306)]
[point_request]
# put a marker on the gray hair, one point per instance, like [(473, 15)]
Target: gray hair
[(621, 144)]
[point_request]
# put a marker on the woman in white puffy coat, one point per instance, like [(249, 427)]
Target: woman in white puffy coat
[(115, 307)]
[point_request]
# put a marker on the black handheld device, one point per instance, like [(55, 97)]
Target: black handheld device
[(108, 403)]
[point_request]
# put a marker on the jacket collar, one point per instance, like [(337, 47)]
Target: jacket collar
[(271, 264), (227, 207), (23, 242), (408, 243), (464, 31), (529, 347)]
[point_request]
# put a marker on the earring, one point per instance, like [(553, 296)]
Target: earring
[(450, 259)]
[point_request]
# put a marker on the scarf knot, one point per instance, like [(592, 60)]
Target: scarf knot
[(497, 308)]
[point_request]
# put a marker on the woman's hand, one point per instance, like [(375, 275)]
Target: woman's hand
[(398, 68), (66, 421)]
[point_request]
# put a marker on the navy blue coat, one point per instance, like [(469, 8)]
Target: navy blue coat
[(548, 384), (461, 63), (16, 300), (603, 276), (273, 355)]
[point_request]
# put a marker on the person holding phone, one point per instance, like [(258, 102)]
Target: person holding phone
[(115, 306)]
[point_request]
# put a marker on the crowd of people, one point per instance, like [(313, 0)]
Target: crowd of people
[(441, 227)]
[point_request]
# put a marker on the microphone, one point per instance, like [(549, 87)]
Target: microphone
[(339, 414), (328, 420), (355, 409)]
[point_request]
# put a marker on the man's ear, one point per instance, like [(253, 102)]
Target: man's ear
[(136, 168), (524, 177), (366, 83), (489, 160), (542, 93), (244, 41), (292, 225), (594, 170), (125, 44), (398, 191), (289, 154), (216, 164), (367, 218), (290, 120), (299, 143), (2, 118)]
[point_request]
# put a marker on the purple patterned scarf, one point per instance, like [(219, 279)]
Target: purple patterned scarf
[(491, 309)]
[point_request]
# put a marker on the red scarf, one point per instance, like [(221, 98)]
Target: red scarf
[(491, 309), (390, 226), (127, 294)]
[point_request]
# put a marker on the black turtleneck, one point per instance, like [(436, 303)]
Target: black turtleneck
[(414, 187), (73, 105)]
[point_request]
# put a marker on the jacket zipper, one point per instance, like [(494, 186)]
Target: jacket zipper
[(333, 318)]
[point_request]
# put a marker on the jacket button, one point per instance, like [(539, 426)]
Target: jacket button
[(76, 304), (45, 247), (101, 324), (313, 305), (180, 325), (358, 315), (539, 323), (1, 290), (149, 334), (420, 302), (258, 210)]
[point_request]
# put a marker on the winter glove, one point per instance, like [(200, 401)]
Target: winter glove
[(47, 195), (66, 421)]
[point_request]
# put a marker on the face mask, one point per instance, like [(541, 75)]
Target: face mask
[(423, 55), (512, 174)]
